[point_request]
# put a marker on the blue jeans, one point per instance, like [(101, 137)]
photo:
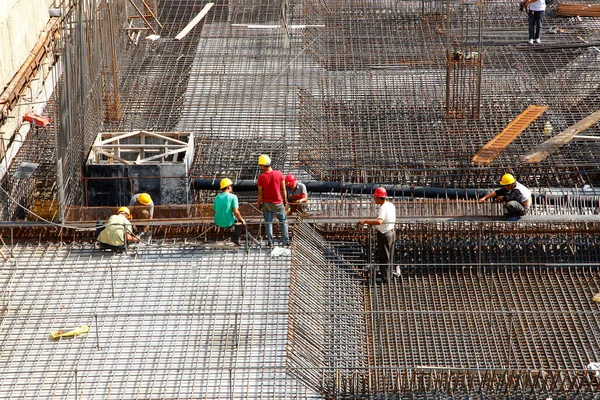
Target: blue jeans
[(270, 209), (535, 24)]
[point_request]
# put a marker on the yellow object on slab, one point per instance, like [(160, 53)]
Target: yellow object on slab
[(70, 332), (596, 297)]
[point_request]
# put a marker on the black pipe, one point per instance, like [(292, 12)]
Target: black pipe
[(247, 185), (355, 188)]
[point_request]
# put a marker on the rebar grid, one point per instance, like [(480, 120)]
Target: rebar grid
[(348, 91), (167, 320), (514, 320)]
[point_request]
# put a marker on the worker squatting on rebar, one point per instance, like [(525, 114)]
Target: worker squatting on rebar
[(272, 199), (116, 232), (515, 197), (227, 213), (386, 233)]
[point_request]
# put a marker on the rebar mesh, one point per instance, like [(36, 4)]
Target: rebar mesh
[(165, 321), (464, 314), (345, 91)]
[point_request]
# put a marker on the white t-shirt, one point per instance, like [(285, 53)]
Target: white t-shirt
[(387, 213), (526, 193), (523, 193), (539, 5)]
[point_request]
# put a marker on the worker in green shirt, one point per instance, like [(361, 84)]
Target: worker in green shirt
[(227, 213)]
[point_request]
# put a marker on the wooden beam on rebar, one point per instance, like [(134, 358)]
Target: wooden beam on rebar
[(578, 10), (195, 21), (551, 145), (494, 147)]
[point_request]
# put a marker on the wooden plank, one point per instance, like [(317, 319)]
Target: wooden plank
[(578, 10), (494, 147), (195, 21), (551, 145)]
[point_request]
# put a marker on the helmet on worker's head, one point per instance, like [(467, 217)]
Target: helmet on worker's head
[(225, 182), (290, 181), (507, 179), (145, 199), (380, 192), (264, 160), (124, 210)]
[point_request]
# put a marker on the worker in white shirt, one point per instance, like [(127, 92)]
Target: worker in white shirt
[(386, 232)]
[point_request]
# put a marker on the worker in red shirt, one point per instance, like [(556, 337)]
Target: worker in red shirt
[(272, 199)]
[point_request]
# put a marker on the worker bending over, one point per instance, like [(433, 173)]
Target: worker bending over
[(142, 201), (297, 195), (515, 197), (117, 231), (227, 212)]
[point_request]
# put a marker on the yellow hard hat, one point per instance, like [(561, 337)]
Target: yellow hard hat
[(124, 210), (145, 199), (264, 160), (507, 179), (225, 182)]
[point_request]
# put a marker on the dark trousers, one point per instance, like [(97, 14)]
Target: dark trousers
[(385, 253), (535, 24), (236, 232), (514, 208), (118, 249)]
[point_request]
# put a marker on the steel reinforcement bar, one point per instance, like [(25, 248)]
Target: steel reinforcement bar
[(479, 308)]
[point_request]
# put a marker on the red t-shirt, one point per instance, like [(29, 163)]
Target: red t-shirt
[(271, 184)]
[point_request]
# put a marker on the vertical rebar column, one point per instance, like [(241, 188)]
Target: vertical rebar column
[(464, 59)]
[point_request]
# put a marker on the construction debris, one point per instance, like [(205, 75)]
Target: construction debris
[(69, 332)]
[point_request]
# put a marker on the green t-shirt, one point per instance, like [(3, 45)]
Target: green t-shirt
[(223, 205)]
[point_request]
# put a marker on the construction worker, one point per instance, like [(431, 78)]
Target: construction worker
[(515, 197), (297, 196), (272, 199), (535, 12), (227, 212), (117, 231), (142, 200), (386, 232)]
